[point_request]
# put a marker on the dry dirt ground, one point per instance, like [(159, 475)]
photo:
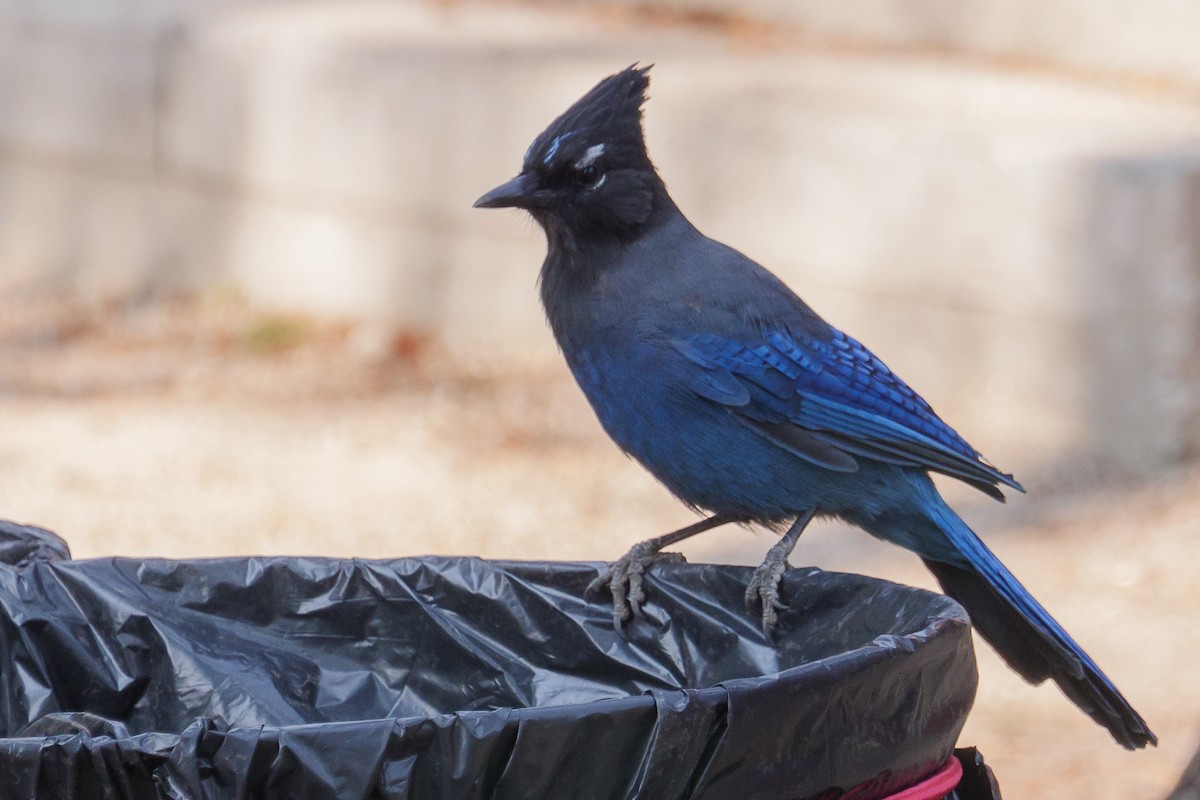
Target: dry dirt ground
[(188, 430)]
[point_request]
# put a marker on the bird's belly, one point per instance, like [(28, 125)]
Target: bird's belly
[(699, 450)]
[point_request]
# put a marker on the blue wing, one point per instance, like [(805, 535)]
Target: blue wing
[(830, 402)]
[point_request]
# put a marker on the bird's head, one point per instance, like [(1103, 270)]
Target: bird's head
[(588, 174)]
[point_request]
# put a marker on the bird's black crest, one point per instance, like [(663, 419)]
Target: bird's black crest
[(611, 113)]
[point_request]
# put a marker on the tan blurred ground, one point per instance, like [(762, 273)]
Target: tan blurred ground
[(204, 430)]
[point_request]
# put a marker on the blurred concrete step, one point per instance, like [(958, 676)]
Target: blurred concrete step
[(1096, 39), (1024, 251)]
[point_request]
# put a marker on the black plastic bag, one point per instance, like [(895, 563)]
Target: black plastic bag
[(459, 678)]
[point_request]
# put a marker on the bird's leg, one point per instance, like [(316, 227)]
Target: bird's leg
[(764, 584), (623, 577)]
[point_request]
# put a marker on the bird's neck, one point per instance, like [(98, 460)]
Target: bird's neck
[(582, 253), (580, 270)]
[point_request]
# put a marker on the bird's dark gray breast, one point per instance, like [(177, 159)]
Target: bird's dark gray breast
[(616, 328)]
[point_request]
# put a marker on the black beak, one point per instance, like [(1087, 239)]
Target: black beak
[(517, 193)]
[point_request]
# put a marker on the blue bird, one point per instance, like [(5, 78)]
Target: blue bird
[(742, 401)]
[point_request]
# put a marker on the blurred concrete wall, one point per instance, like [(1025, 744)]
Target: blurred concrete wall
[(1151, 41), (1023, 248)]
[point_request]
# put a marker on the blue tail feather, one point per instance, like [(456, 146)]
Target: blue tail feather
[(1025, 635)]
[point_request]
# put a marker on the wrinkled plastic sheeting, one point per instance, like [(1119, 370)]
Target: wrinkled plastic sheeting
[(978, 781), (460, 678)]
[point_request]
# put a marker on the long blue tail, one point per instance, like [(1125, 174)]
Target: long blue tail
[(1024, 633)]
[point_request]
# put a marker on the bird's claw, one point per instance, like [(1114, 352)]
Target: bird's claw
[(625, 579), (763, 589)]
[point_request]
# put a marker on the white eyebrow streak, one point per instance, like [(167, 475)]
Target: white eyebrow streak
[(593, 152)]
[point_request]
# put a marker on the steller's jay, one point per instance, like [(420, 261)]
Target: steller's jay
[(717, 378)]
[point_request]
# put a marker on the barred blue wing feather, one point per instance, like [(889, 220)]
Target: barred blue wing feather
[(819, 398)]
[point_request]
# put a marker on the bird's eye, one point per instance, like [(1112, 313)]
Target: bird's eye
[(588, 176)]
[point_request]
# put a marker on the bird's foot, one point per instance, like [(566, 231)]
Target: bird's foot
[(763, 588), (624, 578)]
